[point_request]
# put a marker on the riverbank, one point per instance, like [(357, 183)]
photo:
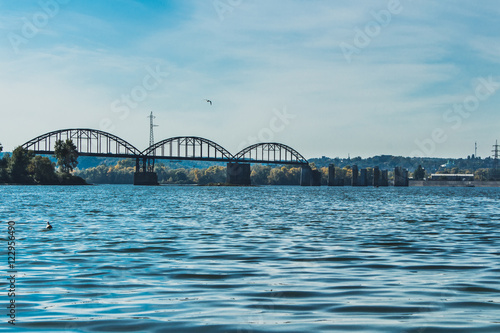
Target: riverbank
[(426, 183)]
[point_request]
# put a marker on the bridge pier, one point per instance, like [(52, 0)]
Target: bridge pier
[(376, 176), (309, 177), (238, 174), (305, 175), (354, 180), (384, 181), (363, 177), (331, 175), (146, 176), (400, 177)]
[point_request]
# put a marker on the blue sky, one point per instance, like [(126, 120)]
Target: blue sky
[(328, 78)]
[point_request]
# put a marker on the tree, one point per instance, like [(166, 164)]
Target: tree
[(42, 169), (4, 164), (66, 154), (260, 174), (419, 174), (18, 165)]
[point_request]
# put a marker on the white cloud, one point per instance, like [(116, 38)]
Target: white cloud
[(263, 56)]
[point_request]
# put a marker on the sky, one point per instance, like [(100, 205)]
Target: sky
[(328, 78)]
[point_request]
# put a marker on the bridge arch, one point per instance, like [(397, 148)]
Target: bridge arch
[(188, 148), (89, 142), (270, 152)]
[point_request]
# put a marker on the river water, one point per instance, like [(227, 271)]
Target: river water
[(254, 259)]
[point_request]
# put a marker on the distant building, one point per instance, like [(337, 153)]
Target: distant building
[(452, 177), (448, 165)]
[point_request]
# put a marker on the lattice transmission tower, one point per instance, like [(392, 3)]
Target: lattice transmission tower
[(496, 175), (151, 162), (151, 126)]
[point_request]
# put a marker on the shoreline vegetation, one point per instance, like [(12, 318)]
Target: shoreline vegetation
[(123, 171), (22, 167)]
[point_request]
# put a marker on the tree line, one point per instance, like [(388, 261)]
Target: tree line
[(24, 167), (123, 173)]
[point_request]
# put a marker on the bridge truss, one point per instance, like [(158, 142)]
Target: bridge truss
[(90, 142), (273, 153)]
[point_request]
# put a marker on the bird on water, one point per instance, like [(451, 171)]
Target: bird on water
[(48, 226)]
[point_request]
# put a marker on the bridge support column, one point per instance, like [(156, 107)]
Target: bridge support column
[(354, 170), (331, 175), (316, 178), (305, 175), (376, 176), (146, 176), (363, 177), (400, 177), (309, 177), (385, 178), (238, 174)]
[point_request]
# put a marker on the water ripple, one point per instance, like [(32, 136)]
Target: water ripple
[(258, 259)]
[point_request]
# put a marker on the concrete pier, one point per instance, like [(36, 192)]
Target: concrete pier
[(238, 174), (363, 177), (332, 181), (305, 175), (376, 176), (145, 178), (309, 177), (316, 178), (354, 181), (331, 175), (400, 177), (384, 181)]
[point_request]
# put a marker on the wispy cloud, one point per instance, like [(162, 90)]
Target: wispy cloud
[(261, 57)]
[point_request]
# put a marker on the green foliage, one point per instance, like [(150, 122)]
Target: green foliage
[(284, 176), (42, 170), (18, 166), (66, 154), (259, 174), (23, 167), (123, 173), (4, 164), (419, 174)]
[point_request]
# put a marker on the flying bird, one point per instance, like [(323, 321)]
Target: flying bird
[(209, 101)]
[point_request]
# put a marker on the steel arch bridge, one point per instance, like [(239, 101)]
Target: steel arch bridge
[(188, 148), (91, 142), (272, 152)]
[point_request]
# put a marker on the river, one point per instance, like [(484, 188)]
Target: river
[(123, 258)]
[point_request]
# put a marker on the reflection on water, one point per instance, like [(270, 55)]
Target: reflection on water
[(260, 259)]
